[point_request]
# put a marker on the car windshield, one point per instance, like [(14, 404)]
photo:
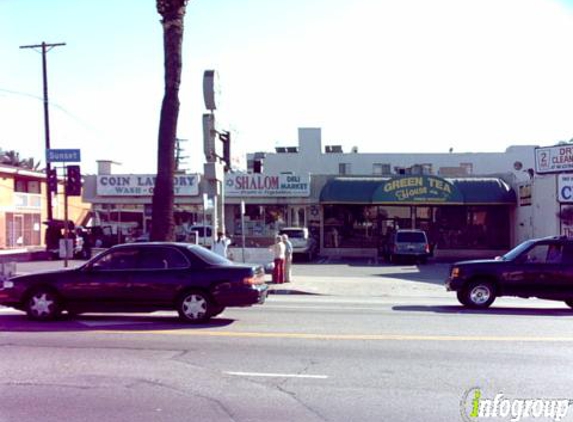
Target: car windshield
[(518, 250), (410, 237), (293, 234), (209, 257)]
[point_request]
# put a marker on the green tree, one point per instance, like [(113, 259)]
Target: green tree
[(172, 13)]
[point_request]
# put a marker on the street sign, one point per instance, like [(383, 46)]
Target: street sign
[(63, 156)]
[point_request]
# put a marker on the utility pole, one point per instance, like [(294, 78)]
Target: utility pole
[(45, 48)]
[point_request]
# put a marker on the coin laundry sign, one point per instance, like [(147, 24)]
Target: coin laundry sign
[(143, 184), (239, 185)]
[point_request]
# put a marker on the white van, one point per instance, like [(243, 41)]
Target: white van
[(302, 242)]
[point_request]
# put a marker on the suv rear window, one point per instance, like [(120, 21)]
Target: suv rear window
[(411, 237)]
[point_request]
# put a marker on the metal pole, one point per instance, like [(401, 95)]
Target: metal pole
[(66, 227), (47, 131), (243, 227), (45, 48)]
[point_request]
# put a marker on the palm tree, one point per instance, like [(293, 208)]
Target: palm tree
[(12, 158), (172, 13)]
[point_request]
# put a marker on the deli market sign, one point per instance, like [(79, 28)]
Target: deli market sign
[(418, 189), (554, 159), (143, 184), (260, 185)]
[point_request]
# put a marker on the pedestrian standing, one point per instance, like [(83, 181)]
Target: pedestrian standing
[(278, 250), (288, 258), (221, 244), (86, 244)]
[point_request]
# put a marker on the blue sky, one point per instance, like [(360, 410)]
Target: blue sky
[(382, 75)]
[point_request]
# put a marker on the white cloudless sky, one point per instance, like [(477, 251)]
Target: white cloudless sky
[(382, 75)]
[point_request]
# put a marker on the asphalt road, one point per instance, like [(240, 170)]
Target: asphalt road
[(311, 357)]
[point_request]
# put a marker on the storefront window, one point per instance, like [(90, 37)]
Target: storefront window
[(261, 221), (472, 227), (447, 227), (350, 226)]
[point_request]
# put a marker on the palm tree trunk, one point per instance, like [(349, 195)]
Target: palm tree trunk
[(162, 227)]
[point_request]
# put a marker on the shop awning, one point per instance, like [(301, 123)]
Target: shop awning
[(349, 190), (417, 189), (486, 190)]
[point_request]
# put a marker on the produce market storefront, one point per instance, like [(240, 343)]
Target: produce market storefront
[(462, 214), (270, 202)]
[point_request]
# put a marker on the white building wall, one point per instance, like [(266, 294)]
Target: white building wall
[(523, 227), (311, 158), (545, 206)]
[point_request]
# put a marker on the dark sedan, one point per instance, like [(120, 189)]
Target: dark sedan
[(140, 277)]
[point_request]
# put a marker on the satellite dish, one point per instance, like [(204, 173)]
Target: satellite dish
[(518, 165)]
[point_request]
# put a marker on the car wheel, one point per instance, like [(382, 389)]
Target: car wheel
[(569, 303), (462, 297), (43, 305), (478, 294), (194, 306)]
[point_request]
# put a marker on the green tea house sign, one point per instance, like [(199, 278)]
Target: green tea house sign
[(412, 189)]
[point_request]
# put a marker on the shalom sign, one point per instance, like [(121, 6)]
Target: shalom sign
[(259, 185), (143, 184)]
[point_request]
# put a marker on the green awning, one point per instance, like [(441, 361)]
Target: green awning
[(349, 190), (417, 189), (485, 190)]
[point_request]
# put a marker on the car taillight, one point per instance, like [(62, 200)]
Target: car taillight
[(427, 248), (253, 280)]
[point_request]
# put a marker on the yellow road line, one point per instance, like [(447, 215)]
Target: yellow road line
[(359, 337)]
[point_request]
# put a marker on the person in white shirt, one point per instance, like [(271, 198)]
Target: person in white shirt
[(221, 244), (278, 249), (288, 258)]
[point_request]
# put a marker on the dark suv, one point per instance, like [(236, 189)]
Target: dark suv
[(540, 268)]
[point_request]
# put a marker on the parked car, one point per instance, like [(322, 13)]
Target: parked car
[(302, 242), (409, 244), (140, 277), (540, 268)]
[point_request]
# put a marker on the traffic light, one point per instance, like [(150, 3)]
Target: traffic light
[(73, 181), (53, 181), (225, 137)]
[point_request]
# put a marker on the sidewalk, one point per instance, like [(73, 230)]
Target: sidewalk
[(359, 286)]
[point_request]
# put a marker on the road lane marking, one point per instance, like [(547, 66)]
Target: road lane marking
[(355, 337), (275, 375)]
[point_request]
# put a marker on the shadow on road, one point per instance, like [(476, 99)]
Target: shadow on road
[(435, 275), (491, 311), (109, 323)]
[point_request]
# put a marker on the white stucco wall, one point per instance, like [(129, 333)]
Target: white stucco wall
[(544, 207), (311, 158)]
